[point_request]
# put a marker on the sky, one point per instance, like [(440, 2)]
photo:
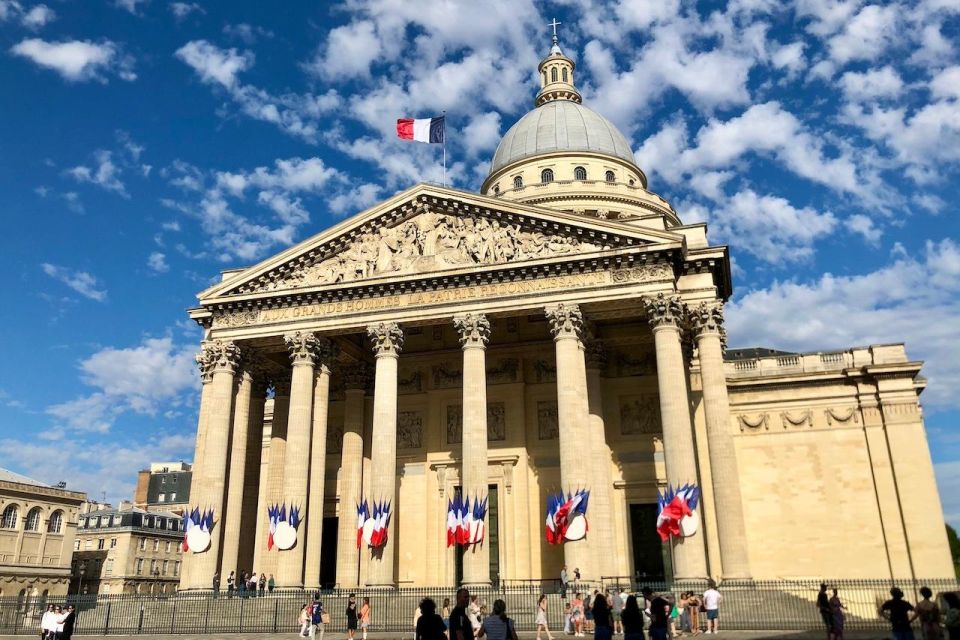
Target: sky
[(145, 145)]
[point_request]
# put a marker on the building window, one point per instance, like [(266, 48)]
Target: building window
[(76, 545), (546, 175), (9, 518), (139, 566), (610, 177), (89, 544), (553, 74), (174, 526), (496, 189), (166, 563), (148, 522), (176, 568), (579, 173), (33, 519), (162, 497), (156, 545), (143, 544), (56, 522), (544, 77), (153, 567), (115, 521), (632, 182), (517, 182), (113, 542), (168, 546), (109, 565), (100, 543), (564, 74), (173, 497)]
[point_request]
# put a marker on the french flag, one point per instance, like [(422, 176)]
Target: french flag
[(430, 130)]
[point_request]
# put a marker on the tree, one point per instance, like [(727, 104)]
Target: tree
[(954, 548)]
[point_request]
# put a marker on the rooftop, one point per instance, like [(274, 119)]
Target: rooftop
[(9, 476)]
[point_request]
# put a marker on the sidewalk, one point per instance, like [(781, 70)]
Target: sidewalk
[(723, 635)]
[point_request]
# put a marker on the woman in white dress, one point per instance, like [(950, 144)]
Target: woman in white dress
[(542, 617), (48, 622)]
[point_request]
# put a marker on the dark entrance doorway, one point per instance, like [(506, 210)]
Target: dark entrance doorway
[(651, 557), (492, 539), (328, 553)]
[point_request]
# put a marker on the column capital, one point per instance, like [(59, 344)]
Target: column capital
[(305, 347), (663, 310), (218, 355), (596, 354), (387, 338), (474, 329), (706, 318), (357, 375), (566, 320)]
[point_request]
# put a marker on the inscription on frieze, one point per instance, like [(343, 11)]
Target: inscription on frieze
[(640, 415), (548, 422), (496, 422), (409, 430)]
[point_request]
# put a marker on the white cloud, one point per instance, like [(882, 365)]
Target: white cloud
[(245, 32), (158, 262), (105, 173), (866, 36), (130, 5), (38, 16), (883, 306), (482, 133), (77, 60), (884, 82), (213, 64), (181, 10), (94, 413), (348, 52), (82, 282), (863, 225)]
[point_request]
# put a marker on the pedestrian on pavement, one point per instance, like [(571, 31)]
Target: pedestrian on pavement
[(216, 585), (588, 613), (616, 609), (262, 584), (316, 617), (498, 626), (711, 602), (242, 585), (826, 613), (304, 619), (445, 614), (430, 625), (541, 618), (47, 624), (684, 613), (568, 628), (365, 611), (230, 583), (693, 609), (602, 618), (271, 583), (69, 618), (659, 618), (929, 613), (898, 612), (631, 619), (563, 582), (460, 627), (576, 614), (836, 609), (351, 616), (951, 619), (475, 612)]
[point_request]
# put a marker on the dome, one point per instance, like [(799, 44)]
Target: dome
[(560, 125)]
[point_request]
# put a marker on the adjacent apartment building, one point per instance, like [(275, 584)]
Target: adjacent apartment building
[(38, 523), (127, 550), (165, 486)]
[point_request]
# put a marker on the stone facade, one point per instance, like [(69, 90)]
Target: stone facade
[(37, 528), (500, 345)]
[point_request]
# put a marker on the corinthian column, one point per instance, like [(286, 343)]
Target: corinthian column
[(707, 323), (566, 323), (355, 381), (600, 512), (237, 473), (304, 348), (210, 471), (318, 458), (387, 341), (474, 332), (665, 314)]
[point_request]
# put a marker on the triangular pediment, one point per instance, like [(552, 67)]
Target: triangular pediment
[(429, 229)]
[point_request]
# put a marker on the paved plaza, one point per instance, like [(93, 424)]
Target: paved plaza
[(724, 635)]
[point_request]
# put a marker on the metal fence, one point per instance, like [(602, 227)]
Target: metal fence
[(758, 605)]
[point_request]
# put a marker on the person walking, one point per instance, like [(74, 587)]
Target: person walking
[(262, 584), (616, 609), (230, 583), (836, 610), (216, 585), (430, 625), (588, 614), (47, 623), (69, 618), (631, 619), (711, 602), (474, 611), (929, 614), (684, 613), (316, 617), (498, 626), (365, 611), (659, 618), (897, 611), (445, 614), (351, 614), (951, 619), (304, 619), (576, 614), (460, 627), (826, 613), (271, 584), (541, 618), (602, 618), (693, 608), (563, 582)]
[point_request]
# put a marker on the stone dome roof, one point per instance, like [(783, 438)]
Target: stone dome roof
[(560, 125)]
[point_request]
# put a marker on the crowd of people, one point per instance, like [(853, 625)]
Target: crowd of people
[(56, 623), (246, 585)]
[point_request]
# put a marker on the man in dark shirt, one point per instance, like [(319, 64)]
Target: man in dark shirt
[(823, 606), (897, 611), (460, 627)]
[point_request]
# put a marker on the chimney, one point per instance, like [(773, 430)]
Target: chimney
[(143, 485)]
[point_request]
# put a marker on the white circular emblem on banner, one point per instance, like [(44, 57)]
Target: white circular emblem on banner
[(285, 536), (368, 527), (198, 540), (577, 529), (689, 524)]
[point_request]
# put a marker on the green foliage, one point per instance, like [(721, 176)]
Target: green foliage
[(954, 548)]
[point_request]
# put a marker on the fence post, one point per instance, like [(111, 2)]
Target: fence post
[(206, 618), (106, 622), (140, 620), (173, 615), (276, 614), (240, 622)]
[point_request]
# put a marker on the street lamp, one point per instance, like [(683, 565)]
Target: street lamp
[(83, 571)]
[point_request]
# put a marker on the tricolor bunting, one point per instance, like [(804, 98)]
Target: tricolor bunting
[(195, 519), (381, 524), (675, 505), (561, 512), (466, 520), (363, 512), (429, 130)]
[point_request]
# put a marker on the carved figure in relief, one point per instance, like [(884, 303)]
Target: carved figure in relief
[(548, 421), (640, 416), (409, 430)]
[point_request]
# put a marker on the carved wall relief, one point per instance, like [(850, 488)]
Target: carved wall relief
[(640, 415), (548, 422), (496, 422), (544, 371), (804, 419), (446, 375), (334, 439), (505, 371), (632, 364), (411, 382), (842, 417), (409, 430), (755, 423)]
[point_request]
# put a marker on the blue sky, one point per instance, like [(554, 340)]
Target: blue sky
[(145, 145)]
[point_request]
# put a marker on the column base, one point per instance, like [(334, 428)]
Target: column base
[(737, 581), (476, 585), (381, 587)]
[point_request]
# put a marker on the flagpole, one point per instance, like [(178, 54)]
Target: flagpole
[(444, 148)]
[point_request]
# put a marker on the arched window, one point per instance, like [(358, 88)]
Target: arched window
[(56, 522), (33, 519), (553, 74), (632, 182), (565, 74), (544, 77), (610, 177), (517, 182), (496, 189), (579, 173), (546, 175), (9, 518)]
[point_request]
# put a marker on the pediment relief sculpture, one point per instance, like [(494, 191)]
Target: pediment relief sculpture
[(427, 242)]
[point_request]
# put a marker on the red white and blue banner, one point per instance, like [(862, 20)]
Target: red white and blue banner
[(196, 529), (466, 522), (363, 514), (430, 130), (567, 517), (677, 516), (373, 523), (283, 526)]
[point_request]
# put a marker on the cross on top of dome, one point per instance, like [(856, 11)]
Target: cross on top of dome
[(556, 41), (556, 73)]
